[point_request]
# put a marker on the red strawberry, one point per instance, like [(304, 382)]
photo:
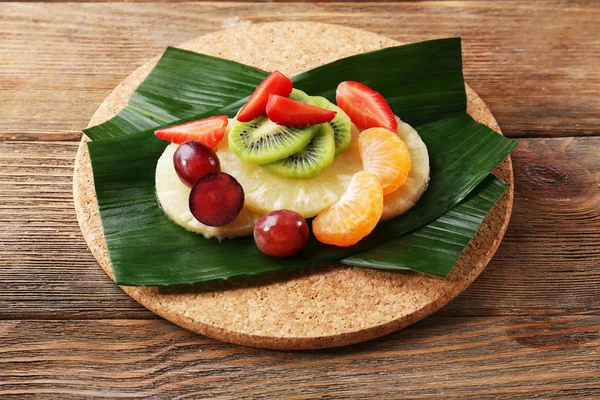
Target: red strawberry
[(208, 131), (365, 107), (292, 113), (276, 83)]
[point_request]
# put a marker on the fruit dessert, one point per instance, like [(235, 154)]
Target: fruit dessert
[(287, 156)]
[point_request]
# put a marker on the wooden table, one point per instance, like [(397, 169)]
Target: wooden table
[(528, 327)]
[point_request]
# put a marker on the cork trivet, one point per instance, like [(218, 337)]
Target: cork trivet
[(315, 307)]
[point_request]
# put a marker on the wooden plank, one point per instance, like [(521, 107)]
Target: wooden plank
[(535, 63), (244, 1), (47, 269), (547, 264), (470, 358), (551, 253)]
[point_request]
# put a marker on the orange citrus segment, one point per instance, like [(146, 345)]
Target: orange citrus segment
[(384, 154), (406, 196), (354, 215)]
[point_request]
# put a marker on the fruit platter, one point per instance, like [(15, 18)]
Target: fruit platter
[(287, 156), (318, 195)]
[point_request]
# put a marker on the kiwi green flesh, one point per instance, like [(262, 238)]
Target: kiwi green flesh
[(262, 141), (302, 97), (341, 124), (309, 162)]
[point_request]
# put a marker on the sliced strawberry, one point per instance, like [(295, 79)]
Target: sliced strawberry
[(208, 131), (365, 107), (276, 83), (292, 113)]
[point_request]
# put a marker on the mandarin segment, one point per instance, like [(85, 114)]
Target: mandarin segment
[(355, 215), (384, 154), (406, 196)]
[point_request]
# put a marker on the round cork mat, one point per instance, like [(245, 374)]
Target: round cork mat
[(315, 307)]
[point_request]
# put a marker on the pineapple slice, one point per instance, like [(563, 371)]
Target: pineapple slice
[(265, 192), (173, 196)]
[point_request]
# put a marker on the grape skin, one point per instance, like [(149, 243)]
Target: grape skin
[(281, 233)]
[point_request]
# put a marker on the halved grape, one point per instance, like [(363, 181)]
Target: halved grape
[(216, 199), (192, 160), (281, 233)]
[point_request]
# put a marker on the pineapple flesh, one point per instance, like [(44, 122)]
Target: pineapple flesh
[(265, 192)]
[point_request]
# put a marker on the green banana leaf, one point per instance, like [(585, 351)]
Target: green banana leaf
[(414, 250), (181, 85), (185, 86), (422, 82), (148, 249)]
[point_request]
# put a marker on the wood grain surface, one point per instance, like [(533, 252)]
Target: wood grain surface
[(527, 328), (542, 56), (484, 358)]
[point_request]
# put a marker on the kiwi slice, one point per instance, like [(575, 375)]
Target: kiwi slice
[(302, 97), (261, 141), (341, 124), (309, 162)]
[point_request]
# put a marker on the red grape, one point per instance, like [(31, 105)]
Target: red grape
[(192, 160), (216, 199), (281, 233)]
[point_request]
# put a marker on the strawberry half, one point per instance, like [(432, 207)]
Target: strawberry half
[(276, 83), (292, 113), (208, 131), (365, 107)]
